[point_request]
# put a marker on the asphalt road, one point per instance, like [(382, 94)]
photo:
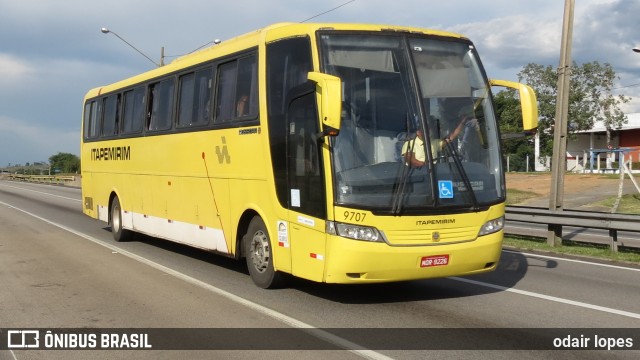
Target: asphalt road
[(61, 269)]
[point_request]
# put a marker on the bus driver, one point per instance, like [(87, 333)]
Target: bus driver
[(413, 150)]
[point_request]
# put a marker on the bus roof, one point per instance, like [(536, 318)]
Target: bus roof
[(253, 39)]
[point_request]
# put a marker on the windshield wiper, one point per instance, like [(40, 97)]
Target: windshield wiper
[(400, 185), (453, 152)]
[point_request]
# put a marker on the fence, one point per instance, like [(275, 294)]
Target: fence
[(593, 220), (46, 179)]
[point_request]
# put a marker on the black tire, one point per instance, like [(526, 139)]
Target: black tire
[(257, 251), (119, 234)]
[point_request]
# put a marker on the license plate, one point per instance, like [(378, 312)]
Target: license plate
[(438, 260)]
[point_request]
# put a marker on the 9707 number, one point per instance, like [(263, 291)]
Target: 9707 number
[(354, 216)]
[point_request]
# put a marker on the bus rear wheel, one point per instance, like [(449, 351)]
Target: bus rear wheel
[(257, 250), (119, 233)]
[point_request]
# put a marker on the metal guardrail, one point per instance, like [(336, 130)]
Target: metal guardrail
[(47, 179), (586, 219), (594, 220)]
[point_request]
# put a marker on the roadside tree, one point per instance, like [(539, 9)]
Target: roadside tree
[(65, 163), (590, 100)]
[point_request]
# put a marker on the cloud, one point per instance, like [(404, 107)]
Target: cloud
[(603, 31), (608, 32), (14, 69), (514, 41), (53, 89), (53, 51), (23, 142)]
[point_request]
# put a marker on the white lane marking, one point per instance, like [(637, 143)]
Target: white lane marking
[(42, 192), (550, 298), (572, 260), (324, 335)]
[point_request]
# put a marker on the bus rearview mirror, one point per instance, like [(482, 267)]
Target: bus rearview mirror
[(528, 102), (329, 95)]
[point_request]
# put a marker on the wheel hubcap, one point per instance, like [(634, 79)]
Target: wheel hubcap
[(115, 218), (260, 251)]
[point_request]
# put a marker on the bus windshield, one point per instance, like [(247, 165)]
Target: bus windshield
[(418, 131)]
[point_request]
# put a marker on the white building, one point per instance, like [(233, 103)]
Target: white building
[(588, 144)]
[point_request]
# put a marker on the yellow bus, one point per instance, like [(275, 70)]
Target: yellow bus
[(294, 147)]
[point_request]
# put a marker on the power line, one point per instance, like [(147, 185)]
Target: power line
[(328, 11), (626, 86), (217, 41)]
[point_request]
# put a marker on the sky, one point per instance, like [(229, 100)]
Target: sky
[(53, 52)]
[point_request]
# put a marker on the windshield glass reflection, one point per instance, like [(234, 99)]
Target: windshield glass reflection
[(418, 132)]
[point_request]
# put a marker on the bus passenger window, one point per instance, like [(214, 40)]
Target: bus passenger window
[(195, 98), (133, 111), (246, 89), (90, 119), (185, 100), (225, 102), (237, 90), (111, 118), (95, 114), (161, 105)]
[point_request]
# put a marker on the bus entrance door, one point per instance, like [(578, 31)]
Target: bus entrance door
[(305, 180)]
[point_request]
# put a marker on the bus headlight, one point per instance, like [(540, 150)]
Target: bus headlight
[(492, 226), (356, 232)]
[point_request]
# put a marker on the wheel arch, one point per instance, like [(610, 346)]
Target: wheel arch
[(243, 226), (112, 196)]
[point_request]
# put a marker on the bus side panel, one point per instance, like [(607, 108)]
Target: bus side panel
[(88, 196), (191, 200), (163, 188), (217, 205)]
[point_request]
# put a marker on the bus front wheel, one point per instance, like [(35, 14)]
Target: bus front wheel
[(119, 233), (257, 250)]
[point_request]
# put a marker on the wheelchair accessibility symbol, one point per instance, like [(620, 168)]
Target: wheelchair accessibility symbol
[(445, 188)]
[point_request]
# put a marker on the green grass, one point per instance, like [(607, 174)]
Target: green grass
[(573, 248), (518, 196), (629, 204)]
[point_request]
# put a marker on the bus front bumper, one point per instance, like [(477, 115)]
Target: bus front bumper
[(351, 261)]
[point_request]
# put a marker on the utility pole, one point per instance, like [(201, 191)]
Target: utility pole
[(559, 158)]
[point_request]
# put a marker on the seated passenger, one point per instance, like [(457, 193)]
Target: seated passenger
[(242, 107)]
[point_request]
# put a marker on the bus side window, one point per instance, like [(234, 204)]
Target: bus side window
[(225, 101), (246, 89), (90, 119), (195, 98), (133, 111), (236, 96), (185, 100), (111, 115), (95, 114), (160, 108)]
